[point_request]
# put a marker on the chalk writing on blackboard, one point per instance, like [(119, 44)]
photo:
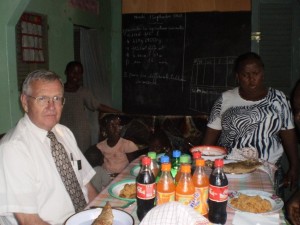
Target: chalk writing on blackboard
[(146, 48), (210, 77), (179, 63)]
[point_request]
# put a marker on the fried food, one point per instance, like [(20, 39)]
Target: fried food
[(106, 216), (209, 163), (128, 191), (254, 204), (246, 166)]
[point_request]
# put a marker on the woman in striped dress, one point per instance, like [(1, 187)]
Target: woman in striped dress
[(254, 116)]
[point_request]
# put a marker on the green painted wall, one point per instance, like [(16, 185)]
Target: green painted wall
[(60, 19)]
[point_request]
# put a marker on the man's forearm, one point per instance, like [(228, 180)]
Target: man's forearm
[(29, 219)]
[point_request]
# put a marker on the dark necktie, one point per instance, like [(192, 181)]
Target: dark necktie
[(66, 172)]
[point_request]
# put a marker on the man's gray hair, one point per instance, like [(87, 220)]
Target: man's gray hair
[(43, 75)]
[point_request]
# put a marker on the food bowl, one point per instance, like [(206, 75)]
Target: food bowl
[(210, 152)]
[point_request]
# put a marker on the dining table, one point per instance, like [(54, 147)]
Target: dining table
[(258, 180)]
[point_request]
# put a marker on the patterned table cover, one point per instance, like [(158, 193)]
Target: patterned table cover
[(258, 180)]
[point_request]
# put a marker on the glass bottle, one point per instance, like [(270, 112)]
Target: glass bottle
[(163, 159), (165, 185), (218, 194), (201, 183), (145, 189), (185, 188), (182, 159), (175, 162), (153, 166)]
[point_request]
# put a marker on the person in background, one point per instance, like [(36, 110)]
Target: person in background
[(254, 116), (32, 189), (79, 99), (159, 142), (293, 204), (114, 148), (96, 159)]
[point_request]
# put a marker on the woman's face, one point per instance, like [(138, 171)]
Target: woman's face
[(251, 77)]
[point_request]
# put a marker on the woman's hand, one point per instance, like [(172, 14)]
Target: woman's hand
[(293, 208)]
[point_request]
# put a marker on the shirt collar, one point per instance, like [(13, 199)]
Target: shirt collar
[(41, 134)]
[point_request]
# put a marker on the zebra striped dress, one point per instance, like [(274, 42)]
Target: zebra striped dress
[(254, 124)]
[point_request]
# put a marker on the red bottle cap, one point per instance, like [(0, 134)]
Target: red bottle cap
[(196, 155), (219, 163), (146, 160)]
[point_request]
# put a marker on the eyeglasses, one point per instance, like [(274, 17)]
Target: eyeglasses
[(45, 100)]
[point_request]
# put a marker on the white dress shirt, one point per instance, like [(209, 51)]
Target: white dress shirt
[(29, 180)]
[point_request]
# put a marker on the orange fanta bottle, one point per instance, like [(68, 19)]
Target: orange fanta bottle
[(201, 183), (185, 188), (165, 186)]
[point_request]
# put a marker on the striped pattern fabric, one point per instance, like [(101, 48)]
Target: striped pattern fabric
[(252, 124)]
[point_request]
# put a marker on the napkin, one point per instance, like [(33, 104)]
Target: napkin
[(243, 218), (173, 213)]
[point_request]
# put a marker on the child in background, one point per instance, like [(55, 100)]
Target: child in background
[(115, 148), (159, 142)]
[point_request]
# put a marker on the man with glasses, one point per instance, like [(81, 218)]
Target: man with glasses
[(44, 178)]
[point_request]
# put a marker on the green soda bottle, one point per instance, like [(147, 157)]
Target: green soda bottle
[(175, 162)]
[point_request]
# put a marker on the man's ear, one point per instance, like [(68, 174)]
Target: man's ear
[(24, 102)]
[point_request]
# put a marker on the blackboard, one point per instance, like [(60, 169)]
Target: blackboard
[(179, 63)]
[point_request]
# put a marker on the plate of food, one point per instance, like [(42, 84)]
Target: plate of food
[(135, 170), (240, 169), (124, 190), (100, 216), (254, 201), (209, 152)]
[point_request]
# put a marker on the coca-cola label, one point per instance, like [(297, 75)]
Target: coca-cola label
[(218, 194), (145, 191)]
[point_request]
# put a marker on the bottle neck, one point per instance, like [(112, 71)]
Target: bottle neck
[(185, 175), (218, 169), (199, 169)]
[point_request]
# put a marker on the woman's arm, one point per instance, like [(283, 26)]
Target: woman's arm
[(289, 142), (211, 136)]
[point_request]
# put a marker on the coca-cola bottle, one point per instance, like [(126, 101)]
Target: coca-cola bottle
[(218, 194), (145, 189)]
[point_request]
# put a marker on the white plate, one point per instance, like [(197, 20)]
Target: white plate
[(275, 201), (88, 216), (238, 175), (210, 152), (135, 170), (115, 189)]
